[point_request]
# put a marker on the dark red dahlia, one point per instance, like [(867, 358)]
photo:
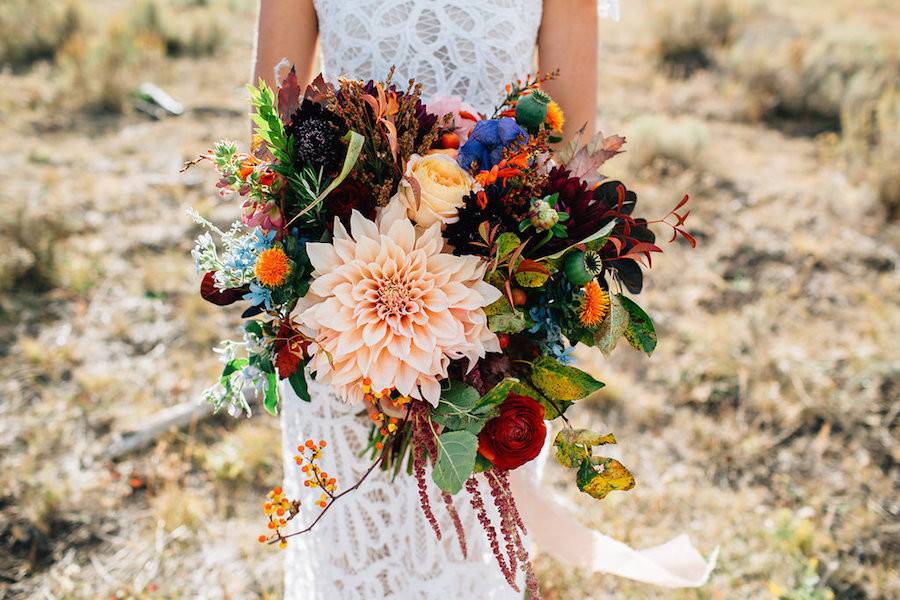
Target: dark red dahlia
[(478, 208), (345, 198), (589, 211)]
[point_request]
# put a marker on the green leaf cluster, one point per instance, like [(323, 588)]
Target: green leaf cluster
[(596, 475), (556, 386), (463, 412), (268, 123)]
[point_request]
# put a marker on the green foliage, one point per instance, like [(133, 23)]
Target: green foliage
[(298, 383), (506, 243), (503, 318), (456, 460), (599, 476), (270, 400), (268, 123), (462, 408), (640, 332), (561, 382), (573, 446), (613, 327)]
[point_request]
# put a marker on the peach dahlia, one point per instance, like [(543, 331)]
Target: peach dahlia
[(388, 304)]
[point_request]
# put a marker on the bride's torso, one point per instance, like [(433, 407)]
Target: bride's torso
[(465, 48)]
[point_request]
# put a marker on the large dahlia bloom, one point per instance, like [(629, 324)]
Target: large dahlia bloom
[(390, 305)]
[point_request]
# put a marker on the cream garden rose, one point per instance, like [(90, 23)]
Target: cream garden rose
[(436, 191)]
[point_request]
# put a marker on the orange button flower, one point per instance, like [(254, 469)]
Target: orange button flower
[(272, 267)]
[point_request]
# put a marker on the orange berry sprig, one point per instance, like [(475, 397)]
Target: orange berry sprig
[(308, 455), (279, 510)]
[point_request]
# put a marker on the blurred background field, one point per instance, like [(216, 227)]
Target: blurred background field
[(765, 424)]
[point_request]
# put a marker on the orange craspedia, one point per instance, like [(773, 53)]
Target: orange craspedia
[(555, 117), (595, 305), (272, 267)]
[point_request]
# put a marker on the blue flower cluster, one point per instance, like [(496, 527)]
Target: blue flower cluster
[(553, 343), (487, 141)]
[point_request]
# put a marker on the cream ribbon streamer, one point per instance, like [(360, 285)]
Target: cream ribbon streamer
[(554, 529)]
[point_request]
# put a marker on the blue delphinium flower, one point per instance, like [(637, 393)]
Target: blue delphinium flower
[(259, 295), (553, 342), (487, 141)]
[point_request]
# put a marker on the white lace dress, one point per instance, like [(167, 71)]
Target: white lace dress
[(375, 543)]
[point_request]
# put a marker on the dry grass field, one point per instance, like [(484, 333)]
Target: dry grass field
[(765, 424)]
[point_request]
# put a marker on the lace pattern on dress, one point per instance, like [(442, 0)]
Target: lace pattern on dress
[(374, 543)]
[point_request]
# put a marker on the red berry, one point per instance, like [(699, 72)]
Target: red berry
[(449, 140), (504, 340), (519, 297)]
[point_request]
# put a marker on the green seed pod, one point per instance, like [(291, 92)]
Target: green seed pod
[(581, 267), (531, 110)]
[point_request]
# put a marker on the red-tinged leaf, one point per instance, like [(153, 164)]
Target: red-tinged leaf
[(514, 258), (211, 293), (620, 202), (287, 362), (532, 266), (288, 95), (317, 90), (373, 104), (391, 137), (617, 243), (682, 203), (691, 239), (674, 235), (416, 187), (484, 231), (644, 247), (682, 218)]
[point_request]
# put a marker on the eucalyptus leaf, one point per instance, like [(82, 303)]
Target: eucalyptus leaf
[(455, 410), (456, 460)]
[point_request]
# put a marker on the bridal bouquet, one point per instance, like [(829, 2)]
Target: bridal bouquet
[(435, 266)]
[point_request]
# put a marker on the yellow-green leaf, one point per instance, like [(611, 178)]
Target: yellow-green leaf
[(573, 446), (597, 480), (561, 382), (613, 327)]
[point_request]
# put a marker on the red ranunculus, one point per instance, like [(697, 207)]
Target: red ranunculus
[(516, 435)]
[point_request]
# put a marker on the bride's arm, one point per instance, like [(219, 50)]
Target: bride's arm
[(568, 41), (286, 29)]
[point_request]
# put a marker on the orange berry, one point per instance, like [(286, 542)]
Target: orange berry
[(519, 297), (322, 443), (272, 525), (310, 444), (262, 539), (277, 490), (379, 445), (280, 512), (449, 140), (367, 381)]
